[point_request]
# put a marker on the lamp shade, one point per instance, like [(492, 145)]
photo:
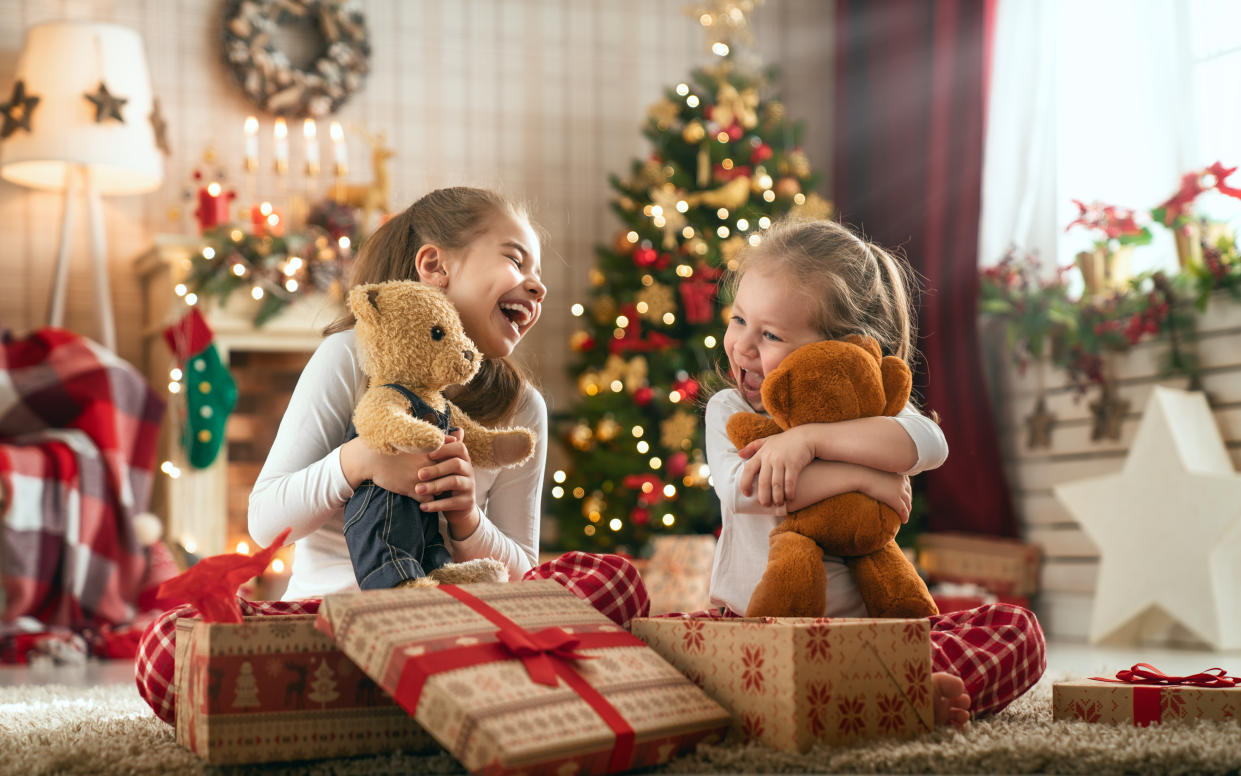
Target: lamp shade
[(61, 63)]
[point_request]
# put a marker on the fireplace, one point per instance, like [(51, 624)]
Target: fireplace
[(205, 509)]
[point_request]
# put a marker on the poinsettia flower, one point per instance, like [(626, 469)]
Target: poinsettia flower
[(210, 585)]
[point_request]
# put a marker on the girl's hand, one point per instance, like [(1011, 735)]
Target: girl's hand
[(775, 462), (447, 485), (891, 489), (397, 473)]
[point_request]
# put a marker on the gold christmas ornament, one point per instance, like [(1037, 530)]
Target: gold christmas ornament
[(659, 300), (693, 132), (626, 203), (650, 175), (603, 309), (664, 113), (732, 195), (774, 112), (677, 432), (582, 437), (787, 188), (597, 278), (669, 219), (593, 506), (798, 164), (578, 339), (607, 429), (814, 208), (622, 245), (588, 383), (732, 105)]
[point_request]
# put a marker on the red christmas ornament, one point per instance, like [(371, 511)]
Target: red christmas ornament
[(762, 152), (735, 131), (646, 256), (738, 171), (640, 516), (677, 463), (650, 489), (688, 388), (643, 395)]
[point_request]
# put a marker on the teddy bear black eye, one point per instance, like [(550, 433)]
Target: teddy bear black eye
[(437, 333)]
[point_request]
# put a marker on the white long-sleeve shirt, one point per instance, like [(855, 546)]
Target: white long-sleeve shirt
[(302, 485), (741, 553)]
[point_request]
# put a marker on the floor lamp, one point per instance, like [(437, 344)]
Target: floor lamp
[(82, 121)]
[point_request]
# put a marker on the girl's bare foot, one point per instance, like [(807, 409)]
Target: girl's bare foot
[(952, 702)]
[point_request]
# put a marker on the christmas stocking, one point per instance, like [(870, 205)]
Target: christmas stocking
[(210, 391)]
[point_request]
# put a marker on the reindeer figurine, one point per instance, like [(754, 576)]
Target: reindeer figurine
[(369, 197)]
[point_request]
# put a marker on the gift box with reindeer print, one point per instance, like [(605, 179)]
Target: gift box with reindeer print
[(274, 688), (794, 682)]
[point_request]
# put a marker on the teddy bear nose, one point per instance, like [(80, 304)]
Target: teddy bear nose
[(469, 355)]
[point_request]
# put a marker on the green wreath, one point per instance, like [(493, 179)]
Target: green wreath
[(265, 72)]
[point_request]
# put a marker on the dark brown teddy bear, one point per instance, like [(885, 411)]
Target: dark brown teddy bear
[(825, 382)]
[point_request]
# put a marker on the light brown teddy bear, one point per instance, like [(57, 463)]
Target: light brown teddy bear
[(825, 382), (411, 345)]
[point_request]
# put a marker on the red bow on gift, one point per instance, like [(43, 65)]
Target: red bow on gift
[(536, 650), (1145, 673), (211, 583)]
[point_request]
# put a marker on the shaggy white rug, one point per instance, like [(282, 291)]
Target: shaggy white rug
[(109, 730)]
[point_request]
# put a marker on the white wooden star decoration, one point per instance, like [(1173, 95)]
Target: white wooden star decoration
[(1168, 528)]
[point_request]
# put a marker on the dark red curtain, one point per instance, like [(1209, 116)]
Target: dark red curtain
[(909, 112)]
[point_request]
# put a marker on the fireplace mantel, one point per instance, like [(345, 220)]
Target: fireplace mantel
[(194, 505)]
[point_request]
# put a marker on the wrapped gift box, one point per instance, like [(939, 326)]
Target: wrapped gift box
[(1005, 567), (678, 577), (1137, 704), (522, 677), (791, 682), (274, 688)]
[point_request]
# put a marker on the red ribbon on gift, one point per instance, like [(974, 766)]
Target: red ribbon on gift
[(1145, 673), (547, 656), (1150, 680)]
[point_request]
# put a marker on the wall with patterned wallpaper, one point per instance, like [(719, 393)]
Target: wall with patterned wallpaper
[(540, 98)]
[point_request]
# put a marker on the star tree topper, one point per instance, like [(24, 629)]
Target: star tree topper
[(1168, 528)]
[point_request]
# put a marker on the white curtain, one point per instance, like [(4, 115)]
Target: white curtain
[(1099, 100)]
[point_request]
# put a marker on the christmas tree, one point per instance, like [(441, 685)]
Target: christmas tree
[(725, 162)]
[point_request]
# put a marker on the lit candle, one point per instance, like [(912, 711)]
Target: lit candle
[(338, 150), (281, 135), (213, 204), (312, 147), (252, 144)]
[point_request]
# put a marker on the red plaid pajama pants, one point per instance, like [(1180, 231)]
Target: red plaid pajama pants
[(998, 650)]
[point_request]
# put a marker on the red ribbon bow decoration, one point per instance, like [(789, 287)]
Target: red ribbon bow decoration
[(537, 650), (211, 583), (1145, 673)]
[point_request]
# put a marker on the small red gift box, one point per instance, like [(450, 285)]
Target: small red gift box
[(1144, 696), (522, 677), (274, 688)]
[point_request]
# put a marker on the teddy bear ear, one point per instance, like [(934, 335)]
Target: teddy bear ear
[(364, 302), (897, 383), (865, 343)]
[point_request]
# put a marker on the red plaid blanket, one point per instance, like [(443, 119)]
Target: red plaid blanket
[(78, 433)]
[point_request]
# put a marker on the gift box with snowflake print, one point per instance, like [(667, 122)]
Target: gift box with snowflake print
[(792, 682)]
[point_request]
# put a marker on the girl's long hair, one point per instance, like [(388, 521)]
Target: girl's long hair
[(450, 218)]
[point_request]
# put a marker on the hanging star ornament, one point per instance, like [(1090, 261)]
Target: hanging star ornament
[(160, 127), (1168, 528), (17, 110), (1107, 414), (107, 105)]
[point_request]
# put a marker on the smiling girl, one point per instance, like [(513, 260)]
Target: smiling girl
[(815, 280), (483, 252)]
